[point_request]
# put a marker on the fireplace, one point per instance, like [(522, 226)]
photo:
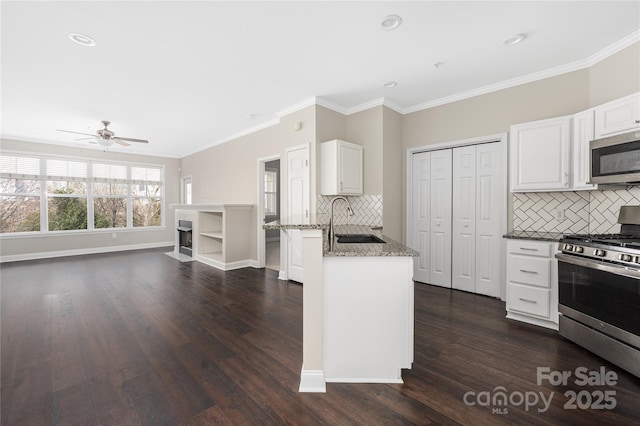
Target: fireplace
[(185, 239)]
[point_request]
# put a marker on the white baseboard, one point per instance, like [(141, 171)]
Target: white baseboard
[(228, 266), (312, 381), (79, 252), (282, 275)]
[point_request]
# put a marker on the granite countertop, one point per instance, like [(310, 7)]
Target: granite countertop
[(534, 235), (390, 247), (313, 222)]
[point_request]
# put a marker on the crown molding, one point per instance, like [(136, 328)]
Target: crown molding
[(297, 107), (234, 136), (530, 78), (614, 48), (332, 106)]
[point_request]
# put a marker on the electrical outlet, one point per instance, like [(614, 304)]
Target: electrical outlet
[(559, 215)]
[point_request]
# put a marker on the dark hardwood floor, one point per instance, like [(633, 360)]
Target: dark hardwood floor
[(139, 338)]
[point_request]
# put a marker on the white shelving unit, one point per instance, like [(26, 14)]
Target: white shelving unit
[(222, 234)]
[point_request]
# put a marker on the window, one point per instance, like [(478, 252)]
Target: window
[(186, 190), (146, 192), (20, 194), (66, 185), (110, 192), (271, 192), (41, 194)]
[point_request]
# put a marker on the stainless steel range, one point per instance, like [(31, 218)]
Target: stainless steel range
[(599, 291)]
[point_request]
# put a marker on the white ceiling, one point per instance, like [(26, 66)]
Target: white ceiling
[(186, 75)]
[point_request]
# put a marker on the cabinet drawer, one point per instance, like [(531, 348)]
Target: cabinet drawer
[(530, 270), (530, 248), (529, 300)]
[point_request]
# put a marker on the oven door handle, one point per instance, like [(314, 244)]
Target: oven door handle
[(591, 264)]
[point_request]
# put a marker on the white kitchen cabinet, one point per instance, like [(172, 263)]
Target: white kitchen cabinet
[(532, 282), (540, 153), (583, 133), (341, 169), (621, 115)]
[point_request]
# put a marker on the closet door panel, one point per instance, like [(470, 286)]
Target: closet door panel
[(421, 211), (440, 248), (464, 219), (489, 193)]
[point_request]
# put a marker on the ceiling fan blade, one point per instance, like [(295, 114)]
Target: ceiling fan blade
[(84, 139), (132, 140), (120, 142), (79, 133)]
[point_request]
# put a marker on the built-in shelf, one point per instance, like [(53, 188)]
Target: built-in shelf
[(223, 234), (217, 235)]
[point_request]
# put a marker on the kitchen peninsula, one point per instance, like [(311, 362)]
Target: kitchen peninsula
[(357, 307)]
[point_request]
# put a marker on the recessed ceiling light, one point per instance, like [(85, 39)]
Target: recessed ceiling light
[(81, 39), (391, 22), (514, 39), (390, 84)]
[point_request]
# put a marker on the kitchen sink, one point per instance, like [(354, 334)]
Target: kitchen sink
[(358, 238)]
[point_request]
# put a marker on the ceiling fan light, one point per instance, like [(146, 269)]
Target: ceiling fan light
[(104, 142)]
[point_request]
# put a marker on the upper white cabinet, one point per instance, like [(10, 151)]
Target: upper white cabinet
[(621, 115), (539, 156), (582, 135), (341, 168)]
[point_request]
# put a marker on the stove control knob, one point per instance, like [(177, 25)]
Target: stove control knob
[(624, 257), (636, 259), (567, 247), (578, 249), (598, 252)]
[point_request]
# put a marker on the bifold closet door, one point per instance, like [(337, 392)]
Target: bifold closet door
[(440, 244), (420, 214), (463, 267), (477, 191), (490, 194)]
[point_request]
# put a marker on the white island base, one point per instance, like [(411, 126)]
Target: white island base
[(368, 318)]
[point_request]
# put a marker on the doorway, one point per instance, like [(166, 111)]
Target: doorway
[(271, 203)]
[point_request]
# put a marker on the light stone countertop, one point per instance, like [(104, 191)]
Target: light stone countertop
[(534, 235), (390, 247)]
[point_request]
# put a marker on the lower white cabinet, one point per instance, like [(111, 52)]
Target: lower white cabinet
[(532, 282)]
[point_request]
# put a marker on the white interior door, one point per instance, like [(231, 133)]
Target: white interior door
[(489, 197), (421, 202), (440, 244), (463, 268), (297, 207)]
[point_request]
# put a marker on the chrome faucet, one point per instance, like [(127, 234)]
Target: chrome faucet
[(349, 212)]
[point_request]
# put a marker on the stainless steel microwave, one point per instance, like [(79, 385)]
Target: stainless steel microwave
[(616, 159)]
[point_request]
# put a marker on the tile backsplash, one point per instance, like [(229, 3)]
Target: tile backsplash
[(367, 210), (584, 211)]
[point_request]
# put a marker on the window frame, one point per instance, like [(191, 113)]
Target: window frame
[(44, 196), (275, 172)]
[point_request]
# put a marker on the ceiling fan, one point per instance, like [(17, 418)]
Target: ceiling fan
[(105, 137)]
